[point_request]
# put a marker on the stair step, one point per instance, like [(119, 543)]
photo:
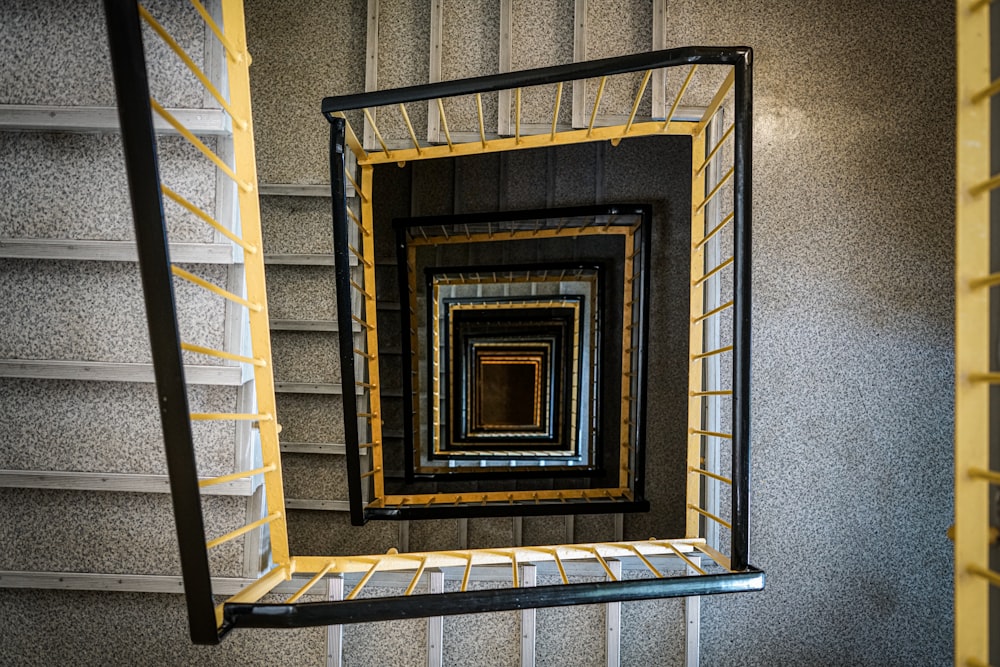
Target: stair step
[(103, 481), (398, 47), (112, 251), (110, 532), (35, 167), (303, 358), (114, 372), (293, 138), (311, 417), (46, 118), (75, 70), (62, 297), (41, 433), (301, 293), (314, 476), (296, 225), (331, 534)]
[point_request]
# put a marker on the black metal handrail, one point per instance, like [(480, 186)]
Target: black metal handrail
[(128, 64), (638, 62)]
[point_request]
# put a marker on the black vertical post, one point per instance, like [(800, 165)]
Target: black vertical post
[(345, 325), (742, 310), (128, 64)]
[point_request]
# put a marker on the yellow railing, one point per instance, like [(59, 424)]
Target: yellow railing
[(477, 142), (242, 171), (973, 375)]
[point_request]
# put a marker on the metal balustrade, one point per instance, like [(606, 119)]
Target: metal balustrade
[(975, 364), (354, 236)]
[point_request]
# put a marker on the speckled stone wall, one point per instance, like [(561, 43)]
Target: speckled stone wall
[(98, 628), (302, 52), (852, 411)]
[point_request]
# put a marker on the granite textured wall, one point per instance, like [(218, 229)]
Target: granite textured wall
[(852, 412)]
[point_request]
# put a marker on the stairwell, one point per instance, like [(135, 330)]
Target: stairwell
[(88, 571)]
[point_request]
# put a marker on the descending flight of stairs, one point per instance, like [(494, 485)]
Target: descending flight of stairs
[(82, 459)]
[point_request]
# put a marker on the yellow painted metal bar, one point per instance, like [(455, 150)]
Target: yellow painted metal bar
[(559, 564), (708, 159), (416, 577), (468, 571), (363, 353), (484, 237), (714, 311), (987, 92), (972, 341), (707, 473), (366, 325), (979, 4), (985, 378), (517, 116), (712, 353), (409, 128), (220, 354), (716, 189), (222, 479), (677, 101), (231, 416), (200, 145), (372, 472), (238, 121), (626, 384), (371, 335), (717, 101), (638, 99), (696, 343), (482, 126), (711, 273), (555, 111), (207, 218), (645, 561), (357, 253), (986, 281), (604, 564), (506, 496), (368, 296), (357, 221), (378, 135), (989, 575), (497, 556), (721, 559), (705, 513), (597, 104), (985, 185), (255, 591), (211, 544), (686, 559), (309, 584), (352, 139), (364, 580), (201, 282), (245, 161), (233, 50), (444, 124), (715, 230), (528, 141), (991, 476), (712, 434), (718, 392), (354, 184)]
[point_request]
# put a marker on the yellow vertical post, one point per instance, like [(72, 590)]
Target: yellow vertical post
[(696, 344), (371, 333), (249, 207), (972, 250), (625, 439)]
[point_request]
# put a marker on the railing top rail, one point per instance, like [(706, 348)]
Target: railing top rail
[(638, 62)]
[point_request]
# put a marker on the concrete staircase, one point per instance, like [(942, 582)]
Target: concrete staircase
[(81, 463)]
